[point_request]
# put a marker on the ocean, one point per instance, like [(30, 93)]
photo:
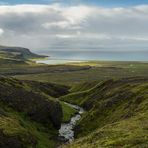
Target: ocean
[(56, 57)]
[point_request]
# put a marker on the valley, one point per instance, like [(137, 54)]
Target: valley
[(34, 97)]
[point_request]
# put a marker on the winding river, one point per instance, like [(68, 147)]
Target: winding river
[(67, 129)]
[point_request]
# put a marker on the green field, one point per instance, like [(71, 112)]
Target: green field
[(102, 71)]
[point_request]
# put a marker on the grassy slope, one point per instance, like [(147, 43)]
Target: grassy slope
[(29, 133), (126, 133), (29, 115), (68, 112), (83, 86), (117, 114), (19, 131), (50, 89)]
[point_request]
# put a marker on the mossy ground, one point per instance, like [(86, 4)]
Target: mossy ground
[(117, 114), (68, 112), (29, 133), (126, 133), (30, 116)]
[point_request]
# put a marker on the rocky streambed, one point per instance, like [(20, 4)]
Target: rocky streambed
[(66, 132)]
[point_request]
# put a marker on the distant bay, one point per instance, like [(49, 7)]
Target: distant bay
[(61, 57)]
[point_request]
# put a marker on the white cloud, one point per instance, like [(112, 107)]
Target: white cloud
[(1, 31), (74, 27), (62, 24)]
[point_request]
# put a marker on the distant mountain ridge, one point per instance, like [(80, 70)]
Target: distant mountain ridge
[(18, 53)]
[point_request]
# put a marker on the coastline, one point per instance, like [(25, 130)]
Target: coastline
[(54, 61)]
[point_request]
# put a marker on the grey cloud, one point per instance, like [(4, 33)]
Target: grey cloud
[(74, 27)]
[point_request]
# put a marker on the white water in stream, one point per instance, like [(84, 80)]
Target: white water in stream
[(67, 129)]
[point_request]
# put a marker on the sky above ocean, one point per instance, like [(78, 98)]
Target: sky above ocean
[(75, 25)]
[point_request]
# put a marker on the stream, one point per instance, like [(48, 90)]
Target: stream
[(67, 129)]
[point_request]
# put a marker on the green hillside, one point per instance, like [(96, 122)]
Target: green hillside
[(117, 114), (83, 86), (29, 115), (17, 53)]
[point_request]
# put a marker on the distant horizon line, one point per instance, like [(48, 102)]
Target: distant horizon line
[(87, 50)]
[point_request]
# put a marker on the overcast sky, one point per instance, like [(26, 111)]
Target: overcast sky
[(75, 24)]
